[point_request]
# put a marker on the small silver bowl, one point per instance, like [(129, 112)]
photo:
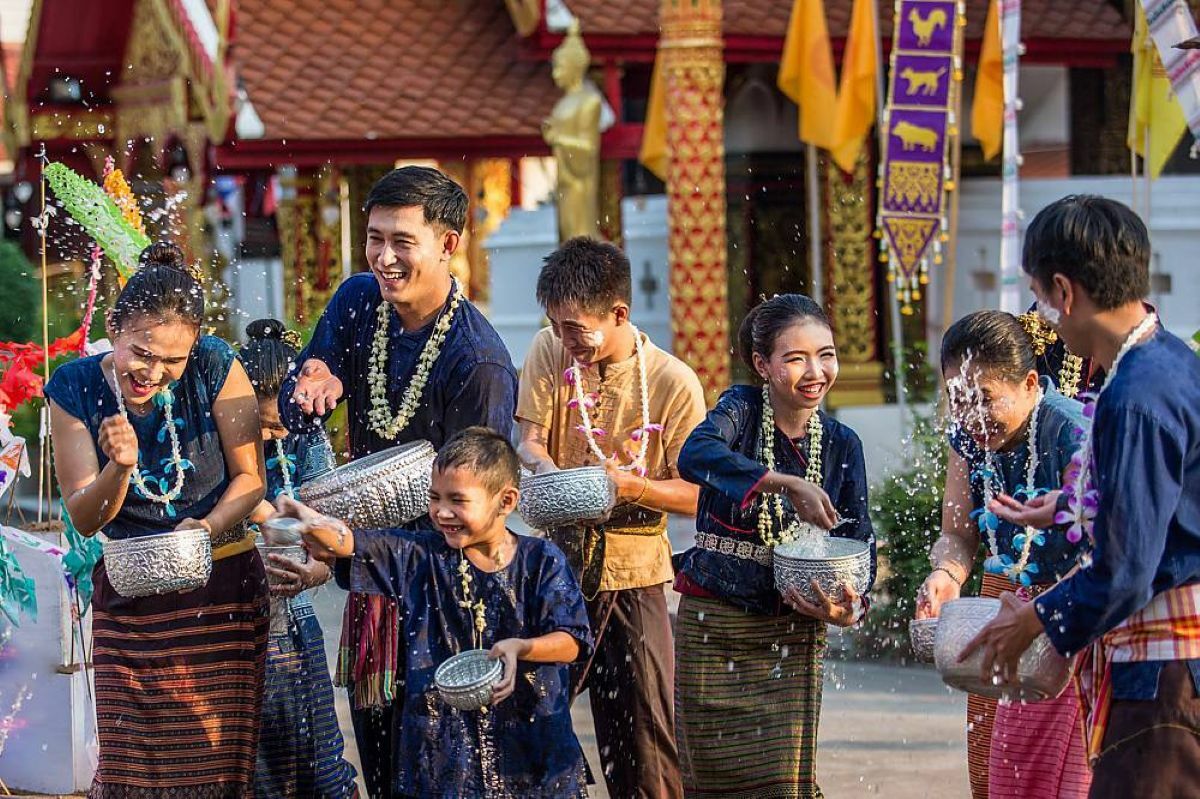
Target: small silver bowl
[(568, 496), (1042, 673), (180, 560), (282, 531), (846, 561), (921, 634), (296, 554), (465, 680), (387, 489)]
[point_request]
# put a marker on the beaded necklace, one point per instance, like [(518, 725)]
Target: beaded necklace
[(812, 473), (166, 398), (380, 417), (1083, 498)]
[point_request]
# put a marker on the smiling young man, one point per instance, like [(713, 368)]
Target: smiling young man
[(1137, 497), (640, 404), (415, 360)]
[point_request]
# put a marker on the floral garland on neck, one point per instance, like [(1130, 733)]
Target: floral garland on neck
[(473, 606), (812, 473), (1082, 496), (165, 398), (380, 417), (584, 402), (286, 465), (1018, 571)]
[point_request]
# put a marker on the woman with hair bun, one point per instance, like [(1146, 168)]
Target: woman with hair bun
[(162, 434), (1013, 436), (300, 748)]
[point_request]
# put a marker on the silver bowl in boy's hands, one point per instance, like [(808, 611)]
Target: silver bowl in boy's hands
[(921, 634), (386, 489), (838, 560), (465, 681), (569, 496), (180, 560)]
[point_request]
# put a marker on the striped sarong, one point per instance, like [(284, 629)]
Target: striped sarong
[(1033, 750), (301, 747), (747, 701), (179, 684)]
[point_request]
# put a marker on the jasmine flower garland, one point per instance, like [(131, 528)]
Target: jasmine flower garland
[(812, 473), (166, 398), (286, 467)]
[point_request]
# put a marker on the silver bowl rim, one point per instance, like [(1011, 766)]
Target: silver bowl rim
[(115, 545), (860, 549), (536, 481), (493, 673), (414, 453)]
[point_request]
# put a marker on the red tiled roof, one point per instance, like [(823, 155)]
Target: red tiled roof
[(1045, 19), (379, 69)]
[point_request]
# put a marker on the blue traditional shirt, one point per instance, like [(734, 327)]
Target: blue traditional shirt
[(720, 456), (1058, 420), (306, 456), (1146, 450), (536, 754), (81, 389), (472, 382)]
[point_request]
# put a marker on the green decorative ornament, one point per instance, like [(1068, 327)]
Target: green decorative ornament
[(88, 205)]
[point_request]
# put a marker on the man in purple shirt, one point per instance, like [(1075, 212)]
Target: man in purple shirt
[(1137, 497)]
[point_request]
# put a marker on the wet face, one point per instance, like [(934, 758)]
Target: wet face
[(406, 253), (991, 410), (465, 510), (268, 419), (1055, 304), (150, 353), (802, 367), (589, 337)]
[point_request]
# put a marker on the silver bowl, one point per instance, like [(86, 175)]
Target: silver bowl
[(282, 531), (569, 496), (159, 564), (1042, 673), (846, 560), (465, 680), (297, 554), (921, 634), (387, 489)]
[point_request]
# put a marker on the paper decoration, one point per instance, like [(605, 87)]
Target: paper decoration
[(1170, 23)]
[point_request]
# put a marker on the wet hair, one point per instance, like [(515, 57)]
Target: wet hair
[(1096, 242), (594, 275), (762, 326), (483, 452), (162, 287), (996, 341), (268, 355), (443, 201)]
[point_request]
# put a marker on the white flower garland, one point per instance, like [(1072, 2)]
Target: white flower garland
[(812, 473), (1031, 465), (380, 417), (287, 490), (177, 459), (641, 435)]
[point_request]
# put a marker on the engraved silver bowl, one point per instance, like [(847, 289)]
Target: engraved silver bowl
[(282, 531), (159, 564), (568, 496), (846, 561), (387, 489), (465, 680), (921, 634), (1042, 673), (296, 554)]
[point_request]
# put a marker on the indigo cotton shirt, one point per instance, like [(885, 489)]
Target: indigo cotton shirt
[(471, 383)]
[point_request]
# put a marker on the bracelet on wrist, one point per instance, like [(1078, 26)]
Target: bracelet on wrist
[(949, 574), (642, 494)]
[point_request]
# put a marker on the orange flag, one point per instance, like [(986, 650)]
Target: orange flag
[(987, 109), (653, 152), (806, 71), (856, 94)]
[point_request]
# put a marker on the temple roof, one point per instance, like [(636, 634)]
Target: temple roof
[(379, 70)]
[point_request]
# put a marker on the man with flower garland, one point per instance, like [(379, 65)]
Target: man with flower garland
[(594, 390), (415, 360), (1134, 490)]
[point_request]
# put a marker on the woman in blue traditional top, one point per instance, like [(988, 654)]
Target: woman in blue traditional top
[(163, 433), (1001, 407), (300, 746), (475, 585), (749, 661)]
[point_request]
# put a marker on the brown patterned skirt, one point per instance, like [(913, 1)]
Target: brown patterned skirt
[(179, 681)]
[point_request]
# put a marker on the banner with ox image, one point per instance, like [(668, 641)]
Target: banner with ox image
[(919, 122)]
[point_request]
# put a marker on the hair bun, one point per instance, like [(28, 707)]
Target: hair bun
[(169, 255), (263, 329)]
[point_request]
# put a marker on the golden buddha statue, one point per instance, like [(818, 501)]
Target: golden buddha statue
[(573, 132)]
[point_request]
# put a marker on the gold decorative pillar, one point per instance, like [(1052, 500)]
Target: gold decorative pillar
[(850, 283), (299, 220), (692, 56)]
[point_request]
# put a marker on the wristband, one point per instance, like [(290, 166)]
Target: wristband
[(949, 574), (645, 485)]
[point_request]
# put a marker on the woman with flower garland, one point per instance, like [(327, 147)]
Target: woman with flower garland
[(1014, 435), (413, 359), (160, 434), (750, 661), (300, 746)]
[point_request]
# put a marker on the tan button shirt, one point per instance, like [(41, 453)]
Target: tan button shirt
[(676, 402)]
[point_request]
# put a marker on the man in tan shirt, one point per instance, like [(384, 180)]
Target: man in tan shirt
[(592, 349)]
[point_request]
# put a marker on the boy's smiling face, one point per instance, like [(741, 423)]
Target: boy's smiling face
[(466, 510)]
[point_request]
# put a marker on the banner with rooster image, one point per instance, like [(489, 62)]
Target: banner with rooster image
[(919, 121)]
